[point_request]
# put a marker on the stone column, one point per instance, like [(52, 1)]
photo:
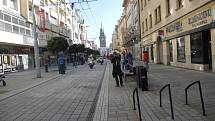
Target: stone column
[(213, 48), (165, 53), (187, 49)]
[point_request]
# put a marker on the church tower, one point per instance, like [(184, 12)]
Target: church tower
[(102, 38)]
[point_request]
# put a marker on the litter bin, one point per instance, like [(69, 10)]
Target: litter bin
[(142, 79), (139, 75)]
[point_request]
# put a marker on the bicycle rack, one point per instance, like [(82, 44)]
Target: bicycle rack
[(138, 103), (200, 92), (170, 98)]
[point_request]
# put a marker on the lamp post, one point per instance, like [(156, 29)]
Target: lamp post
[(36, 48)]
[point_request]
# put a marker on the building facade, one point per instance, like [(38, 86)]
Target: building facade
[(179, 32), (132, 28), (53, 18), (102, 38)]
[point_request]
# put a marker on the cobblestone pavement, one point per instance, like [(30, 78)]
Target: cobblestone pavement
[(113, 104), (178, 78), (67, 97)]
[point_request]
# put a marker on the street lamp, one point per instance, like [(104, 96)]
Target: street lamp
[(36, 48)]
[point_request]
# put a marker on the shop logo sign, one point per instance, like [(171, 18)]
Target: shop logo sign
[(200, 18), (175, 27)]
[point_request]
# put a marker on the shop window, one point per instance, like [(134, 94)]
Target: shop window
[(181, 50), (196, 48), (200, 47), (170, 50)]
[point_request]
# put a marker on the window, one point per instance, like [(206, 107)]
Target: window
[(7, 18), (142, 27), (179, 4), (8, 27), (146, 25), (21, 22), (181, 50), (22, 31), (1, 25), (170, 51), (159, 13), (5, 2), (150, 21), (15, 29), (14, 20), (141, 4), (155, 12), (196, 48), (1, 15), (167, 7), (27, 25), (28, 32), (13, 4)]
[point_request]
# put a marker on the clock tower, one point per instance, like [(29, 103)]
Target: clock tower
[(102, 38)]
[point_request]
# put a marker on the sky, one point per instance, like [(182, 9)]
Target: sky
[(95, 13)]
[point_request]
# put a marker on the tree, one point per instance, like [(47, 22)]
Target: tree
[(57, 44)]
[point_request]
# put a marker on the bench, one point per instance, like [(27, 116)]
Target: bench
[(130, 72)]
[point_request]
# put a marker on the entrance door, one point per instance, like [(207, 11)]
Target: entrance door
[(207, 40)]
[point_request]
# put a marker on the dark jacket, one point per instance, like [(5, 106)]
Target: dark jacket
[(116, 66)]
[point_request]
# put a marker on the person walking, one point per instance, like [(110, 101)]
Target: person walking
[(62, 66), (117, 72), (46, 63), (146, 59)]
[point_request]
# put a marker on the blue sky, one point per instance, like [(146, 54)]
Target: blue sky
[(106, 11)]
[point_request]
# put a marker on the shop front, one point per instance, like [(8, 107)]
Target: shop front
[(189, 40)]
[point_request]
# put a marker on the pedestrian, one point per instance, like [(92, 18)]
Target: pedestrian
[(46, 63), (61, 63), (117, 72), (146, 59)]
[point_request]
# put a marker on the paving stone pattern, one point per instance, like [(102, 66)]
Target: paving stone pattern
[(69, 97), (178, 78)]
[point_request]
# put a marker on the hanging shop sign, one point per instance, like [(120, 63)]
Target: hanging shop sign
[(42, 21)]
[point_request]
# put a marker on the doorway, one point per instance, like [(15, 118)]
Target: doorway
[(206, 35)]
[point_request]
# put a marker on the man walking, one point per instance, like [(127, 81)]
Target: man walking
[(62, 66), (117, 72), (146, 59)]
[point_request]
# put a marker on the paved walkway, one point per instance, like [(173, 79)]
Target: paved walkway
[(115, 103), (69, 97), (179, 79)]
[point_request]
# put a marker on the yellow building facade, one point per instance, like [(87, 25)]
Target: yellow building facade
[(179, 32)]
